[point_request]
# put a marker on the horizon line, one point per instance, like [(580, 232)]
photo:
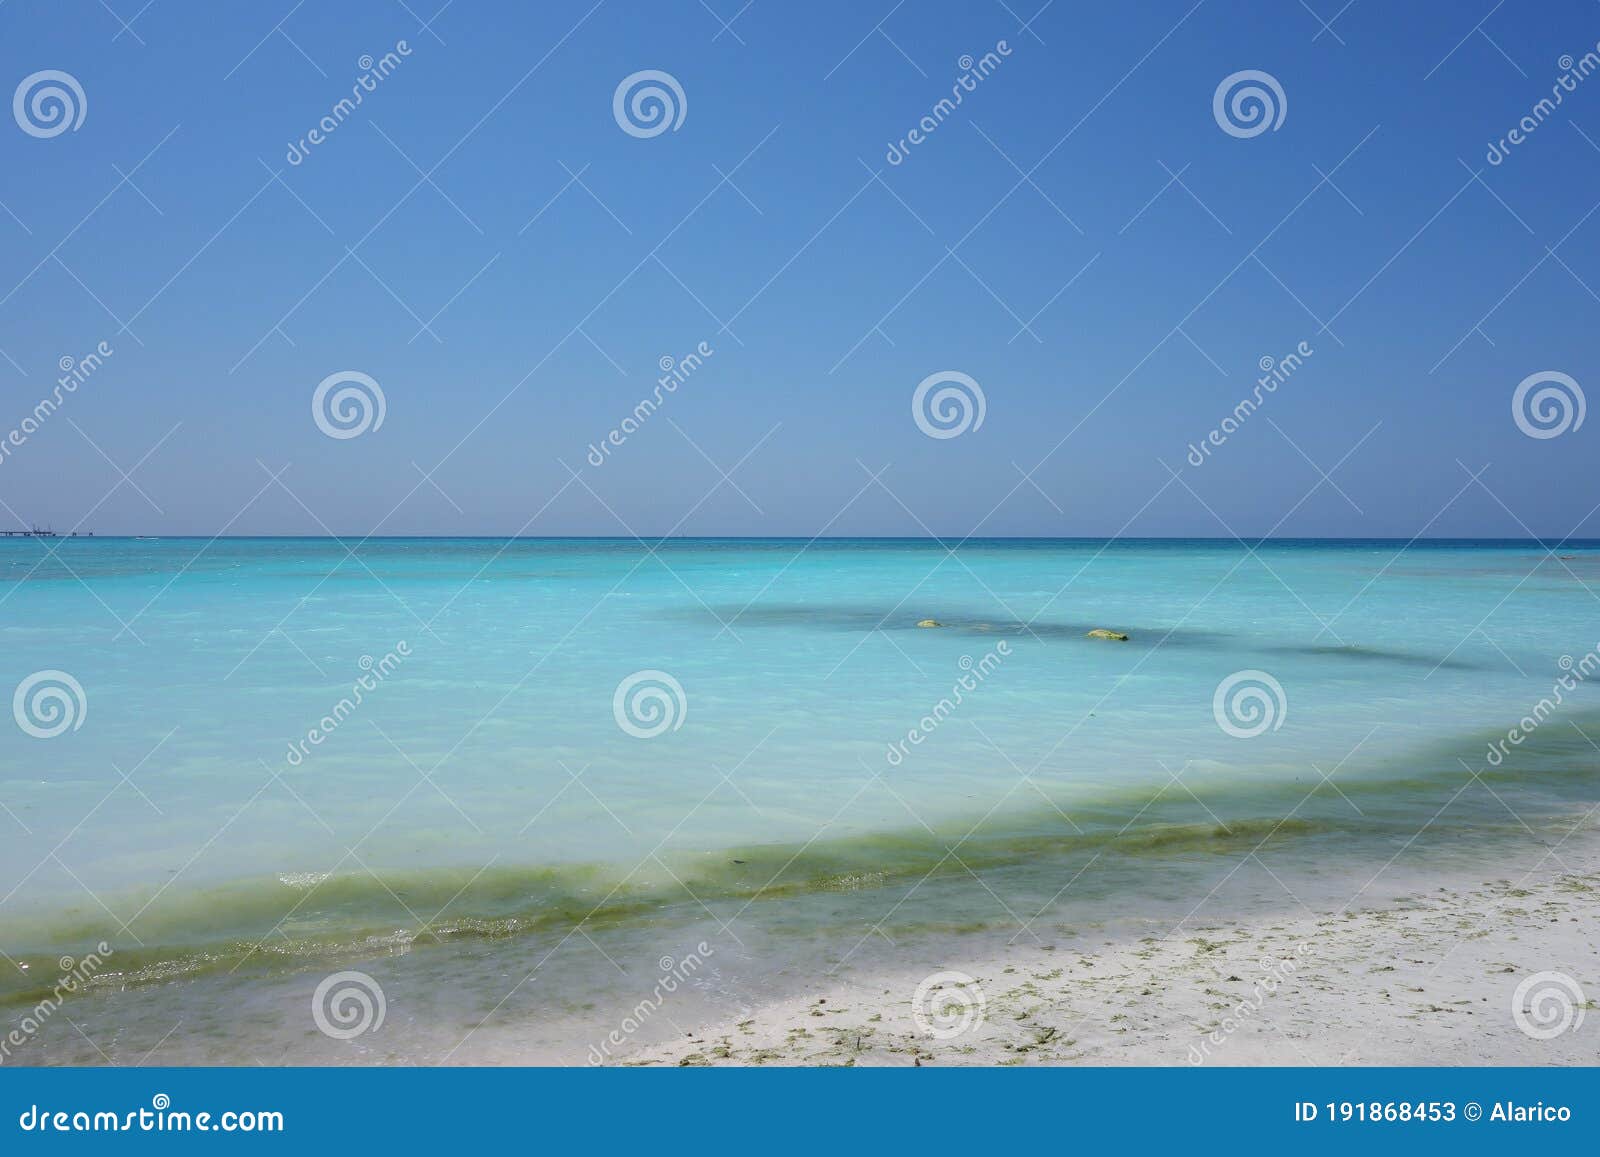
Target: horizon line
[(17, 535)]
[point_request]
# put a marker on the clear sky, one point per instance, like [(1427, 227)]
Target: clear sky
[(1081, 236)]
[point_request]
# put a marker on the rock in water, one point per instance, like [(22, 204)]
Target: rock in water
[(1102, 633), (929, 623)]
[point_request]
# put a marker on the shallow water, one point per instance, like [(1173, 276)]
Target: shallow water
[(482, 794)]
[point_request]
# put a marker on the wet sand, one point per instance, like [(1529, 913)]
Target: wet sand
[(1429, 977)]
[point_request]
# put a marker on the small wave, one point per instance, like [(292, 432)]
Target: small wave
[(303, 879)]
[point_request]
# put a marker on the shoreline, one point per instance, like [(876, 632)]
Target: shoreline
[(1267, 967), (1427, 977)]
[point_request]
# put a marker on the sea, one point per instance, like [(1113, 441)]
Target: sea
[(515, 783)]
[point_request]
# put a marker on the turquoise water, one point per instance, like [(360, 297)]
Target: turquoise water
[(484, 787)]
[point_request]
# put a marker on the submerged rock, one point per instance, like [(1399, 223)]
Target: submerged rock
[(929, 623), (1102, 633)]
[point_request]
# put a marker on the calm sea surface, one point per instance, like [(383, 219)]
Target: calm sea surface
[(279, 755)]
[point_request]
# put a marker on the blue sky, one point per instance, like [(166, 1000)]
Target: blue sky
[(1080, 236)]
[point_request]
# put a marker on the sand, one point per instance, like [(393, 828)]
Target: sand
[(1429, 977)]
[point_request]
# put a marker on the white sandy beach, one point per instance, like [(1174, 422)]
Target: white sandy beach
[(1425, 978)]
